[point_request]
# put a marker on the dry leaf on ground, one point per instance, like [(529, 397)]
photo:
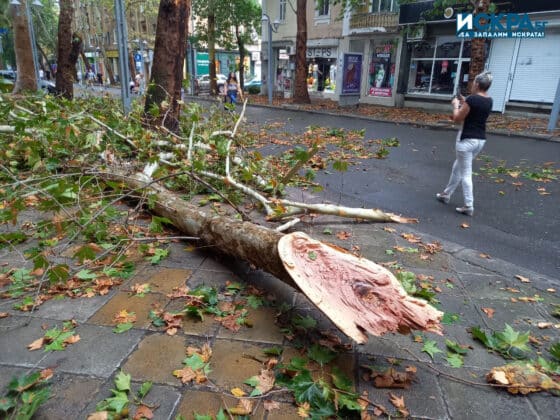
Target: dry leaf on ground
[(143, 412), (37, 344), (522, 278), (398, 402), (270, 405), (489, 312), (244, 408), (522, 378)]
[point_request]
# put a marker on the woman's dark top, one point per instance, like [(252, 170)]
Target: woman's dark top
[(474, 126)]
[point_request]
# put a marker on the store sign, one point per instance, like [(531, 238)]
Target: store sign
[(321, 52), (502, 25)]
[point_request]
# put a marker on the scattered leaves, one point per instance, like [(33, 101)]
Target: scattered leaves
[(522, 378)]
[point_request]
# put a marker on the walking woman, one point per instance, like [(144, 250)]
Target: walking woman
[(473, 113), (233, 89)]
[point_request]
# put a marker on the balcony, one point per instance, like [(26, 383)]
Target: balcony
[(374, 20)]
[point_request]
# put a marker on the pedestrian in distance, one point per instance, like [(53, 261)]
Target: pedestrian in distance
[(140, 83), (233, 90), (473, 113)]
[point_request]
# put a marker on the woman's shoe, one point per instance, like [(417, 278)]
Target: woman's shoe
[(469, 211), (444, 198)]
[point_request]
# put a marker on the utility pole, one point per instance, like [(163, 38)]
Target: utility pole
[(555, 110), (122, 44)]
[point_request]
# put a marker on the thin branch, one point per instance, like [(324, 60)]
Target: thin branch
[(244, 217), (112, 130), (288, 225)]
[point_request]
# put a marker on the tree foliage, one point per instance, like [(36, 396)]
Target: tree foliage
[(232, 25)]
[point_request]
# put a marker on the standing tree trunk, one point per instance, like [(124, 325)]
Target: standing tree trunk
[(169, 56), (477, 47), (68, 51), (241, 47), (301, 95), (212, 51), (26, 79)]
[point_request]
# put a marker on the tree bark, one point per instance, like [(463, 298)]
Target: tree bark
[(166, 79), (358, 295), (26, 78), (241, 48), (68, 51), (212, 52), (301, 95), (477, 48)]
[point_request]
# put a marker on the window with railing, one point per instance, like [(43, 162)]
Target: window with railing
[(384, 6), (282, 14)]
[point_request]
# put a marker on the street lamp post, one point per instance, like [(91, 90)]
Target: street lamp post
[(122, 42), (272, 27)]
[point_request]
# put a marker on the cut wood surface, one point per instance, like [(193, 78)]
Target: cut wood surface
[(358, 295)]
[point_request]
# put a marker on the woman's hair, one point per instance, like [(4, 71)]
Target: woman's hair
[(484, 80), (232, 76)]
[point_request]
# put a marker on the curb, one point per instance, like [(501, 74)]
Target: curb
[(436, 126)]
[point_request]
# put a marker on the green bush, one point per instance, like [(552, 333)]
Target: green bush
[(254, 90)]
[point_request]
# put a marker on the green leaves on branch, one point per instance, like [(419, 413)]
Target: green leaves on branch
[(25, 394), (118, 403), (509, 343)]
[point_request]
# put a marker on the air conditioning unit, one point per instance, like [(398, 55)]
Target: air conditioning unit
[(291, 50)]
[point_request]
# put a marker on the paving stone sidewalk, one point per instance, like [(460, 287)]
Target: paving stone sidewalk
[(468, 283)]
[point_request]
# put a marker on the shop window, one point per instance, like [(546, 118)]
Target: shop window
[(321, 75), (381, 74), (439, 67)]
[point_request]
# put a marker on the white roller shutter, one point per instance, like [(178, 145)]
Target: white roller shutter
[(537, 69), (499, 63)]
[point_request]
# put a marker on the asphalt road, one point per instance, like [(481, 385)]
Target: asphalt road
[(514, 223)]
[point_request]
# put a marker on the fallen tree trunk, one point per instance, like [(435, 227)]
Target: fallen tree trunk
[(358, 295)]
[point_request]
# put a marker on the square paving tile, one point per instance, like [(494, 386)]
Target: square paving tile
[(98, 353), (16, 335), (165, 280), (70, 394), (263, 327), (141, 306), (156, 357), (208, 404), (423, 398), (80, 309), (233, 362)]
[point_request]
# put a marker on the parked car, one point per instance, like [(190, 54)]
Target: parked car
[(204, 82), (8, 78), (252, 85), (47, 86)]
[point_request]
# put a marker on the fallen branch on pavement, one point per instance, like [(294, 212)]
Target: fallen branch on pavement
[(359, 296)]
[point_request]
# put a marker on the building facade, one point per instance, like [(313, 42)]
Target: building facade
[(435, 62), (410, 54)]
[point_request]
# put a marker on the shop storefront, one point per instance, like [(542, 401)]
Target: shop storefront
[(321, 68), (439, 66)]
